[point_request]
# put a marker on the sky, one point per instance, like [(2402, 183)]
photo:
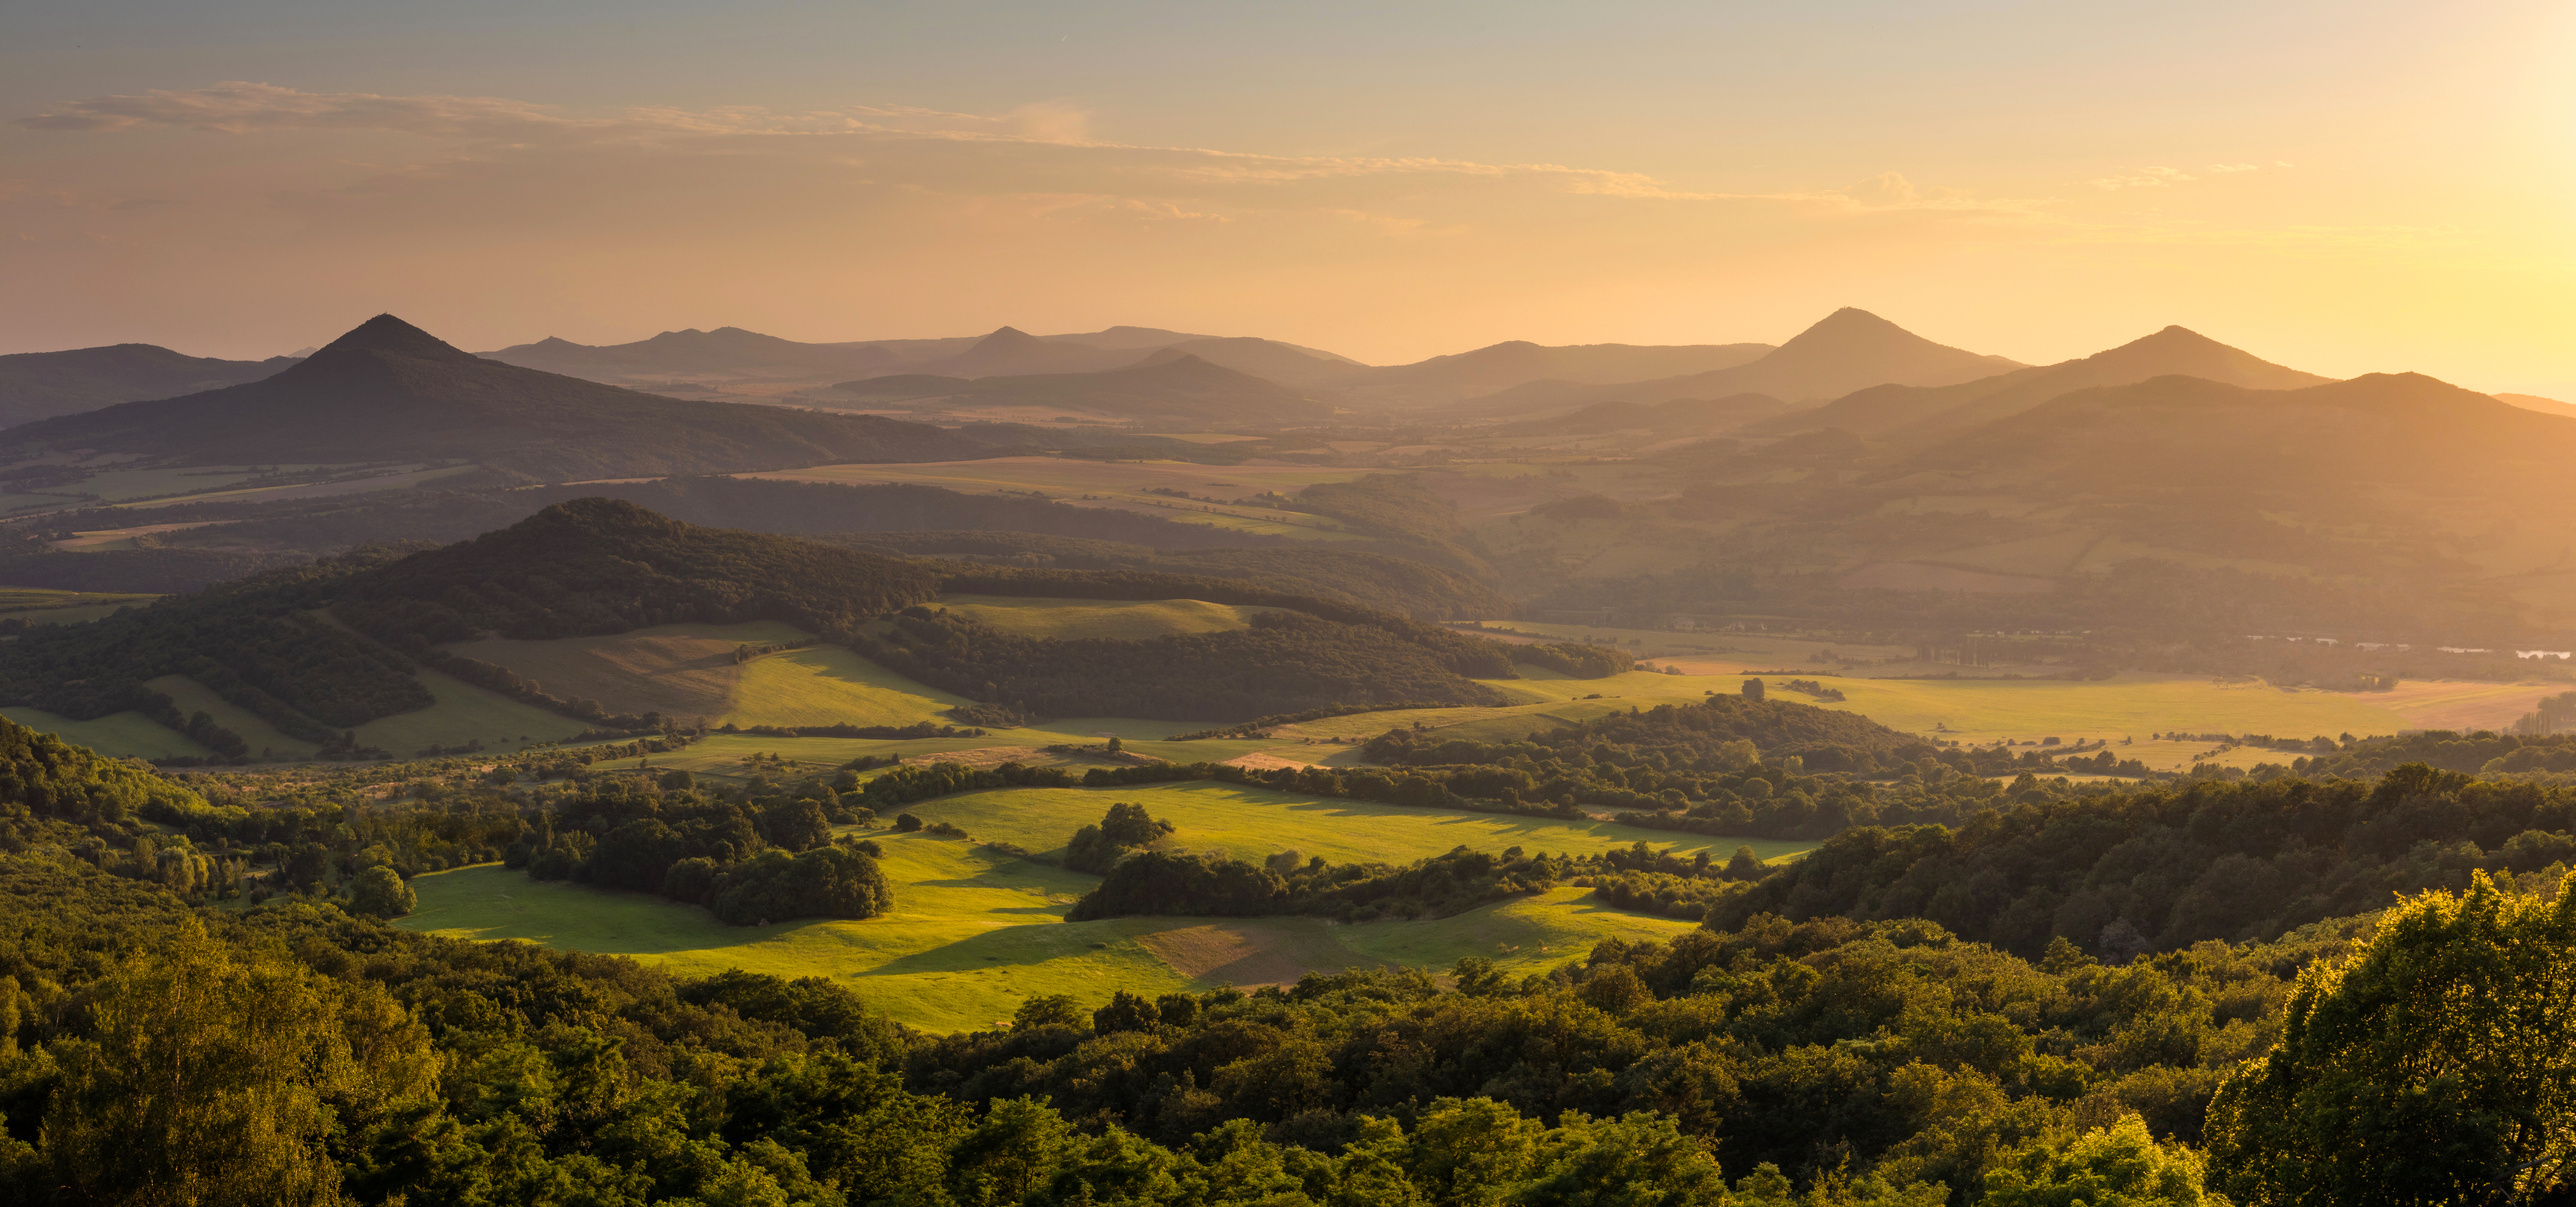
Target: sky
[(2349, 187)]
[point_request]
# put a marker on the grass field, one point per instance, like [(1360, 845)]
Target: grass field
[(121, 734), (1116, 620), (678, 670), (827, 684), (1252, 823), (688, 671), (975, 932), (191, 696), (44, 603), (464, 713)]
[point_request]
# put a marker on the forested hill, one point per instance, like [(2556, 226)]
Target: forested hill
[(388, 391), (594, 566), (2156, 869), (1721, 731)]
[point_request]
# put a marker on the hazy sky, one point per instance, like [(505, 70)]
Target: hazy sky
[(2343, 187)]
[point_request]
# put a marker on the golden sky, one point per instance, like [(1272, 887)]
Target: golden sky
[(2344, 188)]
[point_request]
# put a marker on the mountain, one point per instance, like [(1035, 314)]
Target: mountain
[(1502, 366), (1124, 338), (1918, 412), (1011, 352), (726, 352), (389, 392), (2534, 402), (42, 385), (1846, 351), (2378, 444), (1175, 389), (1287, 364)]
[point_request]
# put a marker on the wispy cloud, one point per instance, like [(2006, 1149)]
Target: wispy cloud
[(2144, 178)]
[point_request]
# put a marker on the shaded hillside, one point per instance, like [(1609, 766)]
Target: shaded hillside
[(1916, 412), (1397, 585), (232, 539), (42, 385), (388, 391), (597, 566), (594, 566), (2344, 444), (1180, 389)]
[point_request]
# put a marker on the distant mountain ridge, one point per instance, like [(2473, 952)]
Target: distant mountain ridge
[(1920, 411), (42, 385), (1847, 350), (388, 391)]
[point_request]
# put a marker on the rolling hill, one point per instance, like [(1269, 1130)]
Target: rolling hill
[(1917, 411), (389, 392), (42, 385), (318, 650)]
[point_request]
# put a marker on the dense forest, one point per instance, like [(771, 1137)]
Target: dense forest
[(1782, 1053), (1283, 662)]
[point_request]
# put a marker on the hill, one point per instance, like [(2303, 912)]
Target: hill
[(2324, 448), (389, 392), (1011, 352), (725, 353), (42, 385), (1517, 362), (1915, 412), (1169, 388), (320, 649), (1845, 351), (1286, 364), (2534, 402)]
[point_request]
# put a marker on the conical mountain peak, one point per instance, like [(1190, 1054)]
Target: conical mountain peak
[(387, 335)]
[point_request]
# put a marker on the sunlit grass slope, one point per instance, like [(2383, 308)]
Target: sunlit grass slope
[(1252, 823), (1119, 620), (974, 933)]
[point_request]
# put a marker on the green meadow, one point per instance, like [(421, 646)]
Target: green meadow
[(974, 932), (1251, 823), (1117, 620)]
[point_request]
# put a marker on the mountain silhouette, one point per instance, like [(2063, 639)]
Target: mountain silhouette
[(1287, 364), (41, 385), (1845, 351), (2383, 444), (1011, 352), (1503, 366), (1925, 412), (389, 391), (723, 352)]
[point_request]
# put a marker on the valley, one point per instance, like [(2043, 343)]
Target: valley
[(1061, 695)]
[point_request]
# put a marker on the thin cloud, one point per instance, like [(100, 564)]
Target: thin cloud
[(2145, 178)]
